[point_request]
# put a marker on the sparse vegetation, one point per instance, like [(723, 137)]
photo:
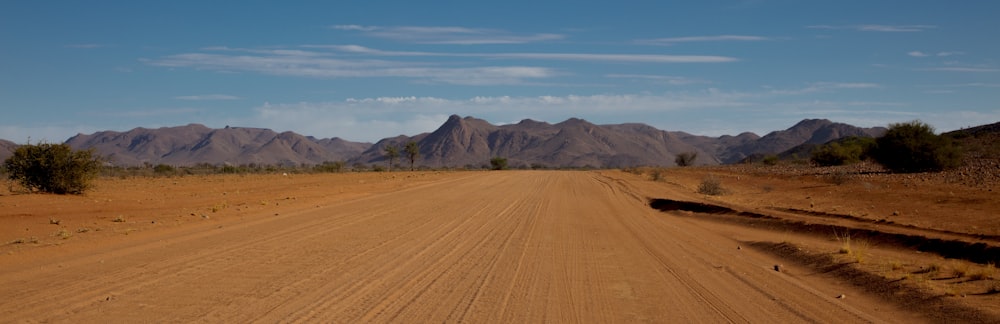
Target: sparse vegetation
[(838, 177), (330, 167), (163, 169), (412, 152), (844, 151), (913, 147), (391, 154), (711, 186), (498, 163), (987, 272), (656, 175), (52, 168), (686, 159), (770, 160), (854, 248)]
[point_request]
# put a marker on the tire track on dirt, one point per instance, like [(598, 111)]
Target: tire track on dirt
[(519, 246)]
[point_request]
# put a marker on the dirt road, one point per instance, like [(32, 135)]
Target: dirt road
[(505, 247)]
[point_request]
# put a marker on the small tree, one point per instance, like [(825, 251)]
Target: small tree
[(498, 163), (844, 151), (52, 168), (412, 152), (913, 147), (392, 153), (686, 159)]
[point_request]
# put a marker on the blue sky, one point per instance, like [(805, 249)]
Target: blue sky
[(365, 70)]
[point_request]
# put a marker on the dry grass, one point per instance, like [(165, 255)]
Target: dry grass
[(711, 186), (856, 249), (984, 273)]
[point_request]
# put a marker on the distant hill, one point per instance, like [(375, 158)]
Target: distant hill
[(194, 143), (459, 142), (6, 149), (980, 141), (578, 143)]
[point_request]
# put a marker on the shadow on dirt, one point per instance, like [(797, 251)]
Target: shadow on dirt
[(979, 252), (932, 306)]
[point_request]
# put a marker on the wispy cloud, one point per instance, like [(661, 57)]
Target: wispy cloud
[(667, 79), (634, 58), (717, 38), (311, 64), (962, 69), (84, 46), (825, 87), (367, 118), (448, 35), (876, 28), (938, 54), (208, 97)]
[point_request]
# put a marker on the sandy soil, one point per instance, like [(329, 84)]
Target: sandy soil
[(517, 246)]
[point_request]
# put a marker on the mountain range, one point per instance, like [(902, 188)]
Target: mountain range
[(459, 142)]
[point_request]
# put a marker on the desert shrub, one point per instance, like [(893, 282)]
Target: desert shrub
[(53, 168), (686, 159), (163, 169), (841, 152), (656, 175), (913, 147), (498, 163), (711, 186), (838, 178), (770, 160), (329, 166)]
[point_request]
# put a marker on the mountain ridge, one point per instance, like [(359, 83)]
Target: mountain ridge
[(458, 142)]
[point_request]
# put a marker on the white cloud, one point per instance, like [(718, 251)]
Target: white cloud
[(671, 80), (640, 58), (353, 27), (312, 64), (633, 58), (449, 35), (718, 38), (946, 54), (963, 69), (825, 87), (208, 97), (938, 54), (876, 28)]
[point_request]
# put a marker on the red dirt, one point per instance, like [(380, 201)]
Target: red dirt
[(519, 246)]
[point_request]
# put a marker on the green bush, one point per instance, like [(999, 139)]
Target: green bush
[(163, 169), (52, 168), (498, 163), (913, 147), (844, 151)]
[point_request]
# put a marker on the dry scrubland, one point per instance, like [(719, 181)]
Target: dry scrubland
[(782, 244)]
